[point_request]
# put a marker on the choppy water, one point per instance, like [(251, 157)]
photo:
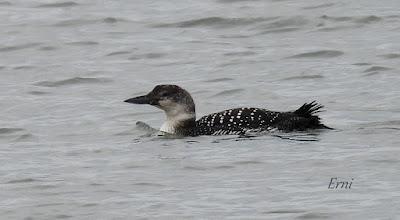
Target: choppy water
[(70, 147)]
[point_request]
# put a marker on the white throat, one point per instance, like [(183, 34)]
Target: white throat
[(177, 114), (173, 122)]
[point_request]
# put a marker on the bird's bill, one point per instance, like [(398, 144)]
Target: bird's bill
[(144, 99)]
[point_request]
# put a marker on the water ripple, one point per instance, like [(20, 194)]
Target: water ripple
[(74, 22), (284, 211), (58, 5), (279, 30), (50, 204), (38, 93), (24, 180), (213, 22), (291, 22), (388, 161), (361, 64), (24, 137), (376, 68), (241, 53), (392, 124), (145, 127), (5, 3), (223, 167), (24, 67), (362, 20), (18, 47), (78, 22), (148, 184), (391, 56), (219, 80), (246, 162), (194, 168), (326, 5), (90, 204), (337, 19), (304, 77), (147, 56), (73, 81), (235, 36), (63, 216), (118, 53), (10, 130), (368, 19), (298, 137), (233, 1), (48, 48), (320, 54), (83, 43), (228, 92), (112, 20), (315, 216), (337, 28)]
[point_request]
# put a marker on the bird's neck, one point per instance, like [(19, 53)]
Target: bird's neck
[(178, 122)]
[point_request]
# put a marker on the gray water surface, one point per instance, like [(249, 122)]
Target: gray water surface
[(70, 147)]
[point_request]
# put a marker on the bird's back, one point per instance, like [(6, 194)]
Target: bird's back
[(242, 120)]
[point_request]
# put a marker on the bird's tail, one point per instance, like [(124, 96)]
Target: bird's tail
[(309, 110)]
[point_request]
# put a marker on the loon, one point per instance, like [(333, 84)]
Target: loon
[(179, 107)]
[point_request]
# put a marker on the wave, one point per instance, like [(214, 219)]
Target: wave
[(360, 19), (241, 53), (326, 5), (58, 5), (212, 22), (72, 81), (278, 22), (228, 92), (24, 180), (10, 130), (83, 43), (147, 56), (319, 54), (376, 68), (5, 3), (18, 47), (391, 56), (233, 1), (219, 80), (118, 53), (304, 77)]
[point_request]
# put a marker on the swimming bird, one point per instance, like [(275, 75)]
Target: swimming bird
[(179, 108)]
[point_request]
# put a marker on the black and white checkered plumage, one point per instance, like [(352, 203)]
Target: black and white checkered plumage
[(181, 118)]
